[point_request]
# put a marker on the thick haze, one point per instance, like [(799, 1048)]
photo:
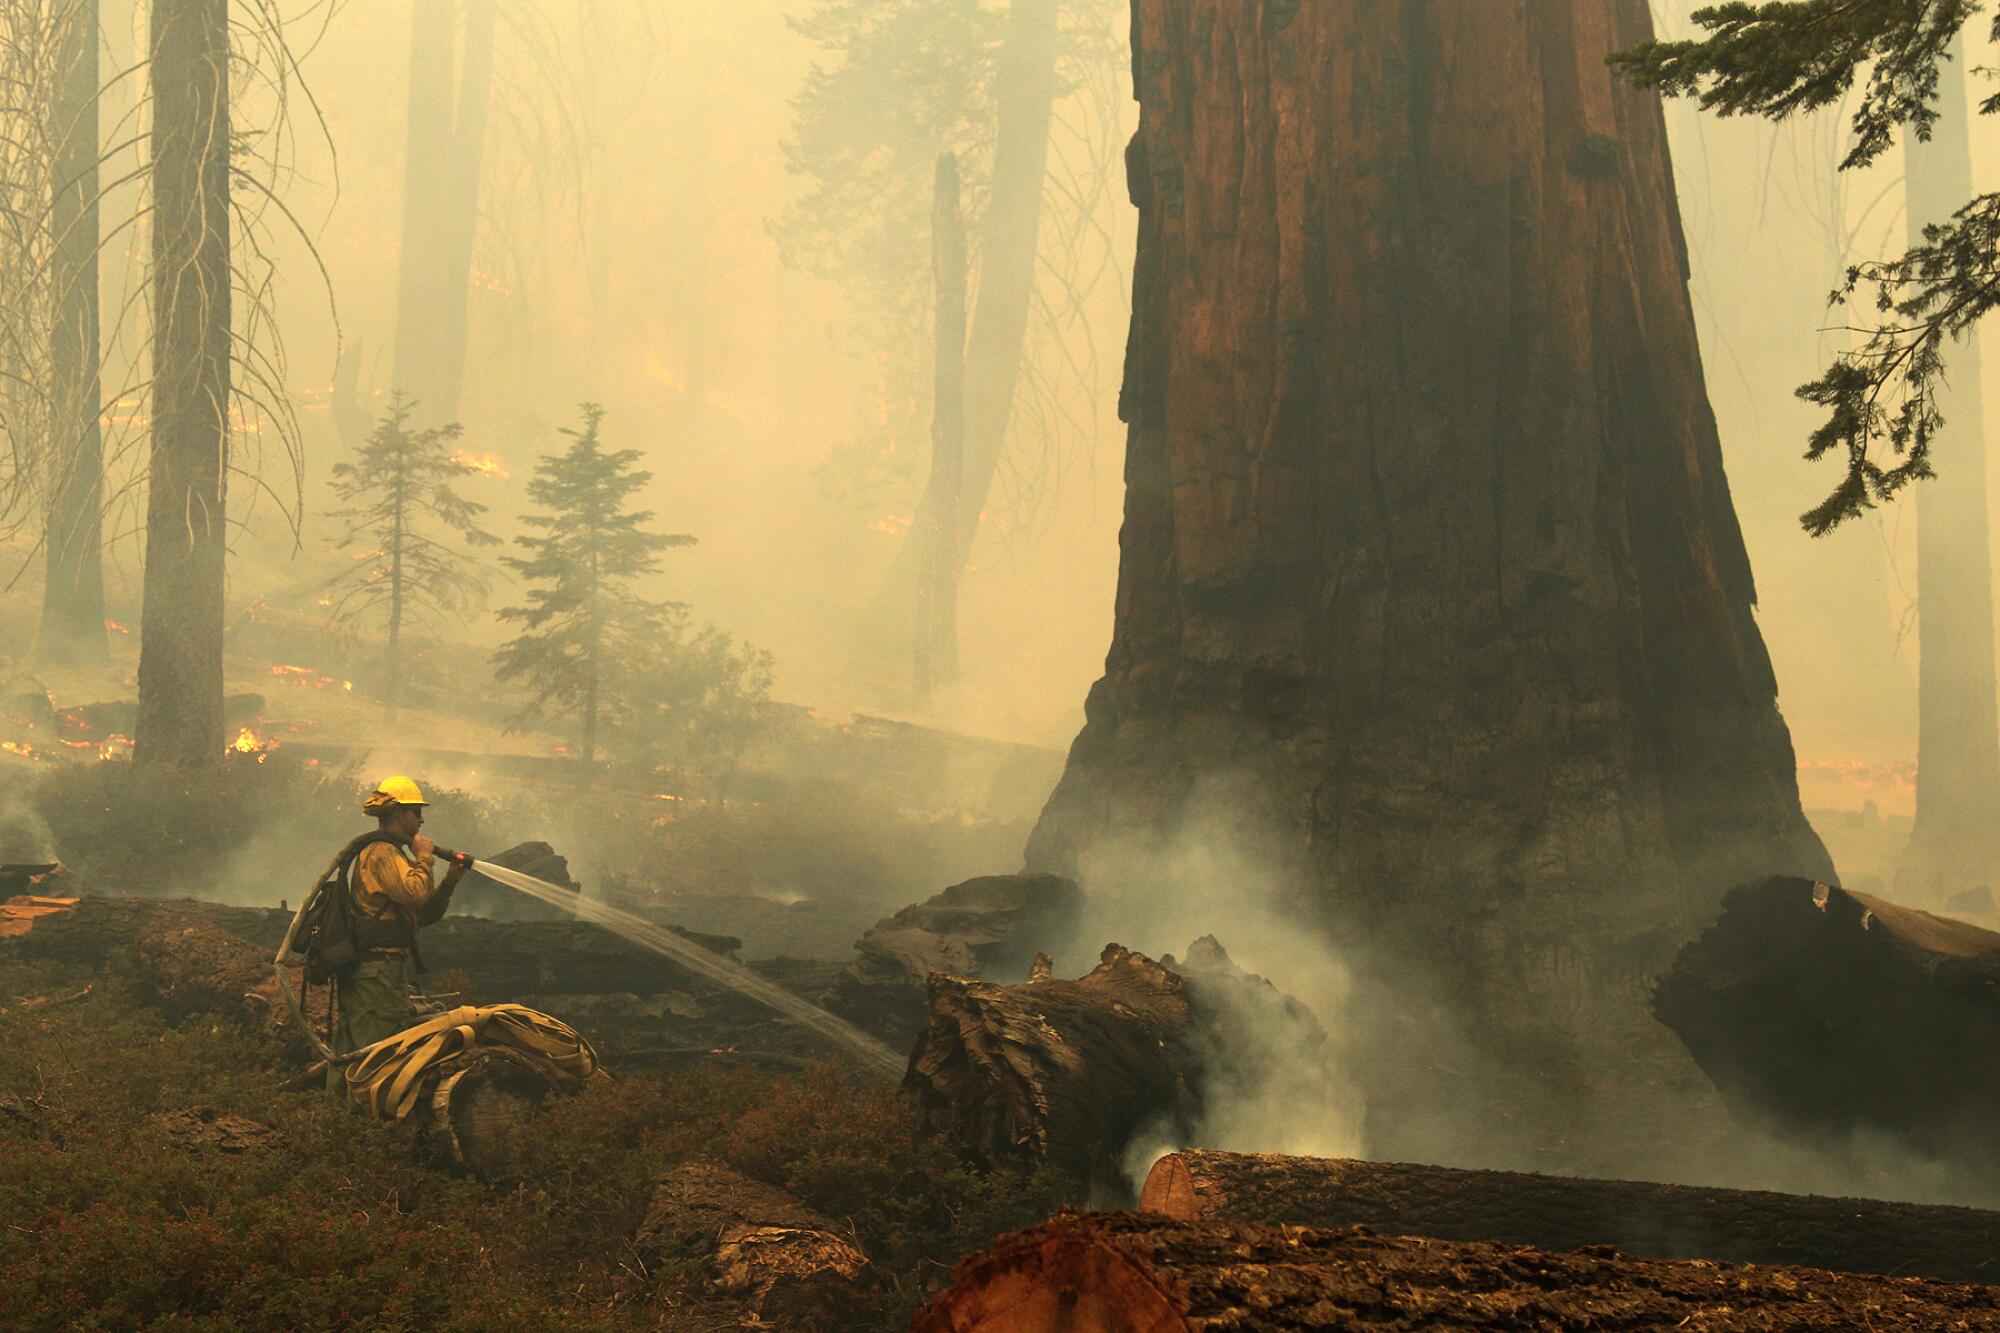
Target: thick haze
[(624, 255)]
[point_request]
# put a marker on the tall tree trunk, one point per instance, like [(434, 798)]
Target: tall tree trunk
[(593, 670), (461, 203), (1956, 842), (1009, 241), (72, 629), (422, 286), (1431, 596), (397, 538), (937, 599), (1010, 235), (180, 655)]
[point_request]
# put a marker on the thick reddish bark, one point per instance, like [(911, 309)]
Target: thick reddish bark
[(1430, 581), (1566, 1213), (1124, 1273)]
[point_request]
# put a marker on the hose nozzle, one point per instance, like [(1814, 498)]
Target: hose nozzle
[(456, 858)]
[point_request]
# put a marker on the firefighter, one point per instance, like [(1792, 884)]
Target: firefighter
[(392, 891)]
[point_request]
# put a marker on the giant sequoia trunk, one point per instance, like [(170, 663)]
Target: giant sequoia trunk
[(1431, 589), (1955, 845), (180, 654), (73, 592)]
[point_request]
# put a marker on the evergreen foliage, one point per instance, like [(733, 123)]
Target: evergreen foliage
[(698, 703), (584, 631), (397, 488), (1777, 58)]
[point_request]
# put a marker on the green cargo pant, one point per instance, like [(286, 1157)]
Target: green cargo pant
[(374, 1003)]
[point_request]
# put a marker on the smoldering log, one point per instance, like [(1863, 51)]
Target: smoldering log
[(761, 1247), (1827, 1011), (1556, 1213), (990, 927), (1132, 1273), (1066, 1073)]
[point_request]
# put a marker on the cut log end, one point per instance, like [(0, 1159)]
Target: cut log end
[(1169, 1190), (480, 1111)]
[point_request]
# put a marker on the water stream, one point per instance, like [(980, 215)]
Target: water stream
[(707, 962)]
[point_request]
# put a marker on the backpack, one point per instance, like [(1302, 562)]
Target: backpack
[(326, 936)]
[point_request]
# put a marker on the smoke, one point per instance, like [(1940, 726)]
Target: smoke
[(1280, 1081), (25, 838), (1390, 1063)]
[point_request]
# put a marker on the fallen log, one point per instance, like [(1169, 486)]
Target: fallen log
[(1829, 1011), (1566, 1213), (1130, 1273), (1066, 1073), (481, 895), (989, 927), (763, 1249)]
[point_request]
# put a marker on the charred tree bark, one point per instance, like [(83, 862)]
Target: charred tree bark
[(1955, 845), (784, 1263), (1829, 1012), (1066, 1073), (1565, 1213), (1431, 592), (1114, 1273), (180, 651), (1059, 1073), (937, 593), (72, 629)]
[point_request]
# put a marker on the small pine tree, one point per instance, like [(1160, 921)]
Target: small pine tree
[(583, 627), (398, 486), (699, 701)]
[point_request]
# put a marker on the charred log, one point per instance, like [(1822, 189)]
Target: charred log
[(480, 895), (1564, 1213), (988, 927), (1066, 1073), (1114, 1273), (784, 1263), (1829, 1011)]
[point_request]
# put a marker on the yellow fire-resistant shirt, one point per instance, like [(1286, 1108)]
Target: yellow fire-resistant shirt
[(392, 881)]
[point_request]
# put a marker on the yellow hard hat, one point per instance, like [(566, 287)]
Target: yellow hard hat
[(393, 791)]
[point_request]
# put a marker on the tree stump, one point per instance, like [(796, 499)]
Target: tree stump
[(481, 1108), (762, 1248), (1565, 1213), (1831, 1012), (1127, 1273)]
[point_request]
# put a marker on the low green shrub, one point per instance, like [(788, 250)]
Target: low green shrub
[(113, 1224)]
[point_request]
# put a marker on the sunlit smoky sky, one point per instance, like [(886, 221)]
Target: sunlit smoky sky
[(625, 255)]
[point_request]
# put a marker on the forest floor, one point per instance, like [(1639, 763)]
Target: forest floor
[(117, 1218)]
